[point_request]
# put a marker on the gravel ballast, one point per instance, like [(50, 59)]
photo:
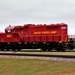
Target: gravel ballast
[(35, 57)]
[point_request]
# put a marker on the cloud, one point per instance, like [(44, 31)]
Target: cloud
[(37, 11)]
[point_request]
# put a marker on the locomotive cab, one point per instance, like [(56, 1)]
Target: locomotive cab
[(9, 29)]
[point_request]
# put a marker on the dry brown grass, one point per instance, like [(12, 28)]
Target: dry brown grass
[(36, 67)]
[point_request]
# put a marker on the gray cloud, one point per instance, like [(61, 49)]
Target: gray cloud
[(37, 11)]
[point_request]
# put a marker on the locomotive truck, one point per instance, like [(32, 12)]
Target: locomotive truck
[(31, 36)]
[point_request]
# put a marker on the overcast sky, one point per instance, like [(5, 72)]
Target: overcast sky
[(16, 12)]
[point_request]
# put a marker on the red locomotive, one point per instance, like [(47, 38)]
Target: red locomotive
[(45, 37)]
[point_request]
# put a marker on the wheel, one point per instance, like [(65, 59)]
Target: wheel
[(58, 48), (43, 49), (2, 49), (49, 49), (18, 49)]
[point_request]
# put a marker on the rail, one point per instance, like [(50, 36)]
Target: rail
[(38, 55)]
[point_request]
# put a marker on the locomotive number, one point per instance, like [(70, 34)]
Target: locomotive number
[(8, 35)]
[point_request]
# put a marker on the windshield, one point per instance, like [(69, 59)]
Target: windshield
[(8, 31)]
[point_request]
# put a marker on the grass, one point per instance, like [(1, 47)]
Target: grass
[(35, 67)]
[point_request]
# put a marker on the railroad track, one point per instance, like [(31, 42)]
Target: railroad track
[(15, 55), (38, 55)]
